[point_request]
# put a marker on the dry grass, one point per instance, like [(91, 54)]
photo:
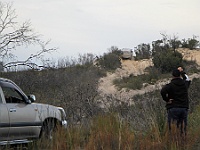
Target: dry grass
[(110, 132)]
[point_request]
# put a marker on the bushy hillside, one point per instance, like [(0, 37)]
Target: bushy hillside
[(102, 116)]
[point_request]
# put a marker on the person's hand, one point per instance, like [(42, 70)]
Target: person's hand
[(180, 69), (170, 101)]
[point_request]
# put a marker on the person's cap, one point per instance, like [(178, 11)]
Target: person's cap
[(176, 73)]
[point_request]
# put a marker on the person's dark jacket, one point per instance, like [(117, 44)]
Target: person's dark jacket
[(177, 91)]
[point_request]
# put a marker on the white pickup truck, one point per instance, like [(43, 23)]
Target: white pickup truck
[(22, 120)]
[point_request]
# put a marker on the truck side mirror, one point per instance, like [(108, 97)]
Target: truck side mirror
[(32, 98)]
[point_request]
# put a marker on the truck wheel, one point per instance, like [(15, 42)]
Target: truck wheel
[(48, 129)]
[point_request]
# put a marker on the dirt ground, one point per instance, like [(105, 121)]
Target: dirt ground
[(106, 87), (191, 55)]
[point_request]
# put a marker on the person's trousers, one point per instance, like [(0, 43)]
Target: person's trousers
[(179, 116)]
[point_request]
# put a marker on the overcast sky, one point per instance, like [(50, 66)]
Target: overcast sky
[(93, 26)]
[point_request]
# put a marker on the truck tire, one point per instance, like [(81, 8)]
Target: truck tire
[(48, 128)]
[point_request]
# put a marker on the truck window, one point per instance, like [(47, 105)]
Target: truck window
[(12, 95)]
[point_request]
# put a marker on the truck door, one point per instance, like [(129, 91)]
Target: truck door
[(22, 115), (4, 119)]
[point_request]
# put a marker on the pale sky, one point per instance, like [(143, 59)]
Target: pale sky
[(93, 26)]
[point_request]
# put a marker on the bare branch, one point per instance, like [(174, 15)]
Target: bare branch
[(28, 62), (13, 35)]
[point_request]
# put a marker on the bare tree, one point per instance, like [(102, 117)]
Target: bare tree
[(14, 35)]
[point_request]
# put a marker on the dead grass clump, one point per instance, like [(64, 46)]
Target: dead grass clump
[(109, 132)]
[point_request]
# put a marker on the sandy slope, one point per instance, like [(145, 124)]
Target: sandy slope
[(191, 55), (106, 87)]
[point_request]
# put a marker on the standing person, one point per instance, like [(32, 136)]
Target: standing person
[(175, 94)]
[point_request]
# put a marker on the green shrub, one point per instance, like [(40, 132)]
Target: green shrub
[(167, 60), (190, 43), (137, 82), (131, 82), (109, 61)]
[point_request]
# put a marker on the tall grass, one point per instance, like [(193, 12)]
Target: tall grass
[(111, 132), (142, 127)]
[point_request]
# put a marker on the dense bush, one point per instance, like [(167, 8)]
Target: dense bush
[(74, 88), (167, 60), (190, 43), (110, 61), (143, 51)]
